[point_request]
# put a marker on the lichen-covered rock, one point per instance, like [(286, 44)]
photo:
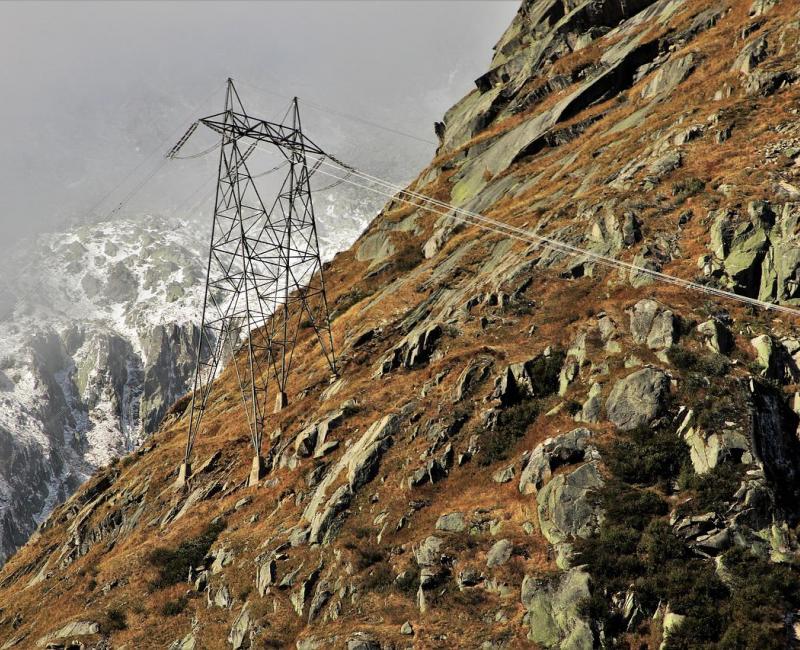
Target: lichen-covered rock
[(186, 643), (536, 377), (671, 74), (751, 55), (504, 474), (773, 359), (416, 348), (565, 449), (709, 449), (429, 552), (717, 336), (266, 575), (70, 630), (452, 522), (475, 372), (672, 621), (638, 398), (566, 507), (375, 248), (359, 463), (553, 610), (652, 324), (500, 553), (240, 636), (363, 641), (592, 409)]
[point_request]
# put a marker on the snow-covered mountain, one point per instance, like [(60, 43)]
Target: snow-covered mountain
[(97, 343)]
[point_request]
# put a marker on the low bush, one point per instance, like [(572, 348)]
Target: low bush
[(173, 563), (408, 258), (711, 364), (369, 555), (646, 456), (712, 491), (379, 578), (687, 187), (544, 372), (512, 424), (174, 607), (114, 620)]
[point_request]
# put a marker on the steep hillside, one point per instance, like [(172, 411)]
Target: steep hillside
[(525, 448)]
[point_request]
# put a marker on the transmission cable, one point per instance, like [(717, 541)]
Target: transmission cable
[(460, 214)]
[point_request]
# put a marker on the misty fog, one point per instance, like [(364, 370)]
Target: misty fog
[(95, 93)]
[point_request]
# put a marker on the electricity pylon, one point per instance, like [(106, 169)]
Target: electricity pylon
[(264, 276)]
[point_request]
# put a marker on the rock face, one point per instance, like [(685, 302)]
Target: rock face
[(757, 254), (553, 611), (566, 449), (565, 505), (638, 398), (653, 325), (358, 465)]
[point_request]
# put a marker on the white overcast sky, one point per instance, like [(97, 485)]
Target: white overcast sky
[(90, 88)]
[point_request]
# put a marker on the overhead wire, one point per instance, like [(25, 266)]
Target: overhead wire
[(396, 192), (156, 150), (473, 218)]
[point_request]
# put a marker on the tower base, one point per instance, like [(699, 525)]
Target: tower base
[(256, 471), (184, 474)]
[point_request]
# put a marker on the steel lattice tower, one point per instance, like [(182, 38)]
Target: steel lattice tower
[(264, 275)]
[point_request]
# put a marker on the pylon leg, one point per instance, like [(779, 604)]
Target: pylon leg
[(184, 474), (256, 471)]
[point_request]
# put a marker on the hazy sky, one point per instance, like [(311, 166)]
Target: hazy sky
[(91, 89)]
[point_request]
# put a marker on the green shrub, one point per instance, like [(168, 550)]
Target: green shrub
[(379, 578), (631, 507), (173, 564), (646, 456), (174, 607), (512, 424), (710, 364), (369, 555), (408, 581), (660, 545), (114, 620), (714, 490), (408, 258), (544, 372), (687, 187)]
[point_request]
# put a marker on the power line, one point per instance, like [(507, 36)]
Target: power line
[(473, 218), (145, 160)]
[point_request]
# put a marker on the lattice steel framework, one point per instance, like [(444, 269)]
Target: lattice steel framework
[(264, 275)]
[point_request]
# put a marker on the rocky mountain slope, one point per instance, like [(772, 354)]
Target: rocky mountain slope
[(525, 448)]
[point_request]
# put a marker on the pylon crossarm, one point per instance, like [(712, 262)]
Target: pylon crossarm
[(280, 135)]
